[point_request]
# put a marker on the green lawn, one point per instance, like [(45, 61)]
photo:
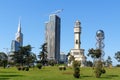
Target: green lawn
[(53, 73)]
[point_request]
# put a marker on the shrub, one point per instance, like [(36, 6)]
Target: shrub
[(99, 69), (23, 68), (39, 65), (76, 66), (27, 68), (118, 65), (76, 72), (62, 68), (103, 71), (19, 68)]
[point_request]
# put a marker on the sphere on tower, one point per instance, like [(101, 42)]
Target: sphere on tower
[(100, 34)]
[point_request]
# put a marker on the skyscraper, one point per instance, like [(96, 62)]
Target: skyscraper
[(52, 33), (18, 39), (19, 35)]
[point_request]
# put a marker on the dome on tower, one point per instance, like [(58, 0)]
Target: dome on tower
[(77, 23)]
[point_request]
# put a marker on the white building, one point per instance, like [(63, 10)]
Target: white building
[(77, 52)]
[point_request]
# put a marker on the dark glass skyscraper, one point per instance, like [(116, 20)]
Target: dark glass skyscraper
[(52, 34)]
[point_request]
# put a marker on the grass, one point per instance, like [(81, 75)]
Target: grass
[(53, 73)]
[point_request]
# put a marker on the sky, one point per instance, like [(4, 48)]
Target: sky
[(93, 15)]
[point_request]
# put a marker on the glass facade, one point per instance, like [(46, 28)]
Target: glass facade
[(15, 46), (52, 33)]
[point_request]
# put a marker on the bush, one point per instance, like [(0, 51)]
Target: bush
[(99, 69), (27, 68), (76, 72), (23, 68), (76, 66), (52, 62), (62, 68), (103, 71), (118, 65), (39, 65), (19, 68)]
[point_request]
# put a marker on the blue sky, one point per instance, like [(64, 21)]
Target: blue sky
[(93, 14)]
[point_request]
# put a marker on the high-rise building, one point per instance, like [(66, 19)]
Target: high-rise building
[(15, 45), (52, 33), (19, 35)]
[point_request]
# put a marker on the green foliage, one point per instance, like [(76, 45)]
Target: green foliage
[(27, 68), (117, 56), (118, 65), (76, 66), (24, 56), (3, 59), (52, 62), (94, 53), (43, 54), (76, 73), (99, 69), (89, 63), (39, 65), (62, 68), (108, 61), (71, 58)]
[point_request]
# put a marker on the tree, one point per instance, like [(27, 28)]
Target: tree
[(108, 61), (76, 66), (94, 53), (117, 56), (89, 63), (71, 59), (43, 54), (3, 59), (98, 64), (24, 56)]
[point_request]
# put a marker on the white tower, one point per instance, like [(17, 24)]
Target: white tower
[(77, 32), (77, 52), (19, 35)]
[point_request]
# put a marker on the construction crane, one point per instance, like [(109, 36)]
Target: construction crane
[(58, 11)]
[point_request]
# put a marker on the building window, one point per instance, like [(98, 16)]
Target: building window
[(76, 41)]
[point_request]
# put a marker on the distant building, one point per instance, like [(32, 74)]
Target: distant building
[(52, 33), (15, 45), (63, 57)]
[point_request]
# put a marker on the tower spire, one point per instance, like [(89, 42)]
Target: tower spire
[(19, 25), (19, 35)]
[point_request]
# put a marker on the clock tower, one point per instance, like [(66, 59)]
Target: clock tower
[(77, 52), (77, 32)]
